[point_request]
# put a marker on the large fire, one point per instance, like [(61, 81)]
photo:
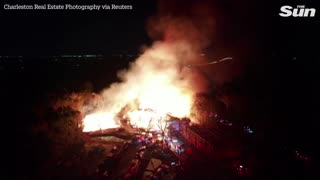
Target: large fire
[(158, 83), (145, 119), (154, 87), (97, 121), (155, 103), (154, 100)]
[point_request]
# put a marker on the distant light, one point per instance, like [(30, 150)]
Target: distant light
[(248, 130), (90, 55)]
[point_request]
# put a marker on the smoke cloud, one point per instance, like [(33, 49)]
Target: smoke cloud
[(160, 78)]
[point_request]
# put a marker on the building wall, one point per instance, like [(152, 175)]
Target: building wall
[(200, 143)]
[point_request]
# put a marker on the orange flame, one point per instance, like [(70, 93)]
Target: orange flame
[(156, 81), (99, 121)]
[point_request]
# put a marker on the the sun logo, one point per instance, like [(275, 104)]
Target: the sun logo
[(300, 11)]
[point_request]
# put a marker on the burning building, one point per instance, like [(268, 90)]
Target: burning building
[(159, 84)]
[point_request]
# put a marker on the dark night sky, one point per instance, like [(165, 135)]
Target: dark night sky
[(61, 32), (74, 32)]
